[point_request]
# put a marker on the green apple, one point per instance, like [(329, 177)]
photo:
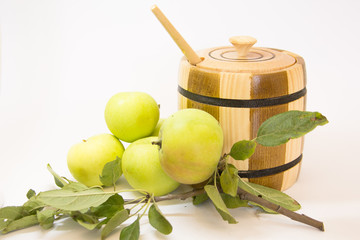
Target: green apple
[(86, 159), (158, 127), (191, 146), (131, 115), (141, 167)]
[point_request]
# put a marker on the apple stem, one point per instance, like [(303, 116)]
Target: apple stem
[(158, 142)]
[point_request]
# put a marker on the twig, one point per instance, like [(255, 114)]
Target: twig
[(181, 196), (290, 214)]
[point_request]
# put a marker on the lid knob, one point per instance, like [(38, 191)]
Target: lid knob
[(242, 44)]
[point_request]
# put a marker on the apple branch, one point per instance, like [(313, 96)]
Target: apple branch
[(290, 214), (248, 197)]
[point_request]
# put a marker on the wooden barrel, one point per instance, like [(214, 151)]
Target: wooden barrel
[(242, 90)]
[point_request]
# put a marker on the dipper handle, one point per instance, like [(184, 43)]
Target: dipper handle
[(242, 44), (189, 53)]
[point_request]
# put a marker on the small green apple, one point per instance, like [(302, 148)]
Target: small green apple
[(158, 127), (191, 146), (141, 167), (86, 159), (131, 115)]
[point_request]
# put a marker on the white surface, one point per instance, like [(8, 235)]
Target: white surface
[(62, 60)]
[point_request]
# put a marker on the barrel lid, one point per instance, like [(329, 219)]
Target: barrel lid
[(242, 57)]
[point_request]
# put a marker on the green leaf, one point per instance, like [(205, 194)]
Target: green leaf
[(59, 181), (111, 206), (32, 205), (73, 201), (111, 172), (88, 226), (271, 195), (198, 199), (13, 212), (120, 217), (46, 218), (85, 220), (219, 204), (21, 223), (282, 127), (31, 193), (229, 180), (158, 220), (75, 187), (131, 232), (233, 202), (4, 223), (242, 150)]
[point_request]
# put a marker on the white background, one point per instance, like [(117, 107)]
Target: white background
[(62, 60)]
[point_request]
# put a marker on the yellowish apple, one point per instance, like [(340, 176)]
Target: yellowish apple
[(86, 159), (142, 169), (191, 146), (131, 115)]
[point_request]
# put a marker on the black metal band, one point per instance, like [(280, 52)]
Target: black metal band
[(245, 103), (269, 171)]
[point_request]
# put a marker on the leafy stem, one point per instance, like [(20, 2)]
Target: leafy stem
[(142, 207), (141, 200), (222, 162), (244, 195), (136, 200), (147, 206), (215, 177), (168, 197)]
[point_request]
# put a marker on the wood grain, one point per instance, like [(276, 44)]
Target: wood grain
[(235, 122), (206, 84)]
